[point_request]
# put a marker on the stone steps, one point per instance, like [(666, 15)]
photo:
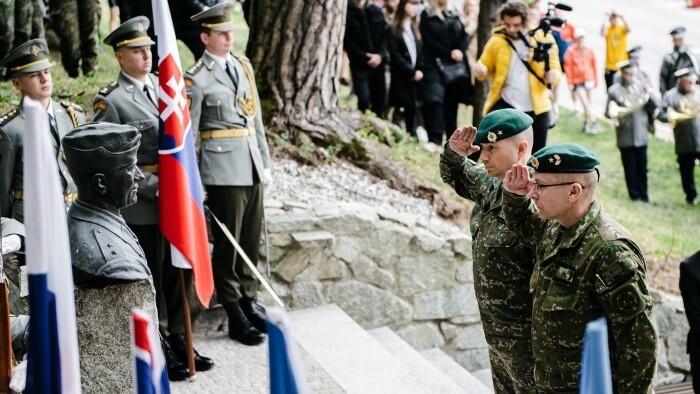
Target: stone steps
[(454, 371), (418, 365), (352, 358)]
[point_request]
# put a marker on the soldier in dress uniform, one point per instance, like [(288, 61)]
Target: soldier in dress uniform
[(678, 59), (586, 266), (133, 100), (502, 263), (30, 68), (681, 108), (234, 165), (631, 107)]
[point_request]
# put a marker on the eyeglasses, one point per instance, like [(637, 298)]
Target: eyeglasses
[(539, 187)]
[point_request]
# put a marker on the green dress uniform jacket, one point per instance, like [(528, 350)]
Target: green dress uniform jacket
[(686, 134), (218, 104), (123, 103), (590, 270), (12, 128)]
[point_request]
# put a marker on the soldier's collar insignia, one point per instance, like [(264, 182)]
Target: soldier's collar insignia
[(535, 163), (491, 136)]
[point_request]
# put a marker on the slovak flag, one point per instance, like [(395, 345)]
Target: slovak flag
[(286, 369), (150, 373), (179, 185), (52, 354)]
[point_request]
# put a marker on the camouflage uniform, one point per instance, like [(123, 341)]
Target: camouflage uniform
[(502, 269), (38, 11), (590, 270), (7, 28), (76, 22)]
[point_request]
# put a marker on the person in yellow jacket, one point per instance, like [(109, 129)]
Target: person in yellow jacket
[(519, 81)]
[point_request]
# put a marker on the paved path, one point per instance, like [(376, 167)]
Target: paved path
[(650, 22)]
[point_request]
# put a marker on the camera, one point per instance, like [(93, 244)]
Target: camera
[(541, 49)]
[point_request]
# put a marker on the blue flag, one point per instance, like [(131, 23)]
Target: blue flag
[(286, 370), (595, 365)]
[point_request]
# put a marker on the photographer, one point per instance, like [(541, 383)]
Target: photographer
[(523, 66)]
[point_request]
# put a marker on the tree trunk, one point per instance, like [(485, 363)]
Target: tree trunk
[(295, 47), (488, 19)]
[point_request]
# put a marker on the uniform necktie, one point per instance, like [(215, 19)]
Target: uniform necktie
[(54, 130), (148, 94), (231, 75)]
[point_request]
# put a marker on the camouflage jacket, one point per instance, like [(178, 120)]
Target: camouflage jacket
[(590, 270), (502, 264)]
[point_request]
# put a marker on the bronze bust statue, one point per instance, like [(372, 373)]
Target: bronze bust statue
[(101, 158)]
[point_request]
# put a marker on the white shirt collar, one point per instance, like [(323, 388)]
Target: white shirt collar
[(49, 110), (139, 84)]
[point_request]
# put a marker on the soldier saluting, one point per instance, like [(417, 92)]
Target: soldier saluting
[(234, 164), (133, 100), (30, 68)]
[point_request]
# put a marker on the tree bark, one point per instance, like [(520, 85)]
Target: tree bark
[(488, 19), (295, 47)]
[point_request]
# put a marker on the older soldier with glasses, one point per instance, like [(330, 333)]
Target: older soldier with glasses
[(502, 264), (586, 266)]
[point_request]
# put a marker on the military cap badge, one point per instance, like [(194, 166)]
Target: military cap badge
[(492, 136), (534, 162), (34, 49), (139, 27), (226, 12), (557, 160)]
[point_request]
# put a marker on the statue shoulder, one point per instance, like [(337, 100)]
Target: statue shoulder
[(109, 88), (7, 118)]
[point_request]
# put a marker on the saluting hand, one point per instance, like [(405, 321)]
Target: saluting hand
[(517, 180), (462, 141)]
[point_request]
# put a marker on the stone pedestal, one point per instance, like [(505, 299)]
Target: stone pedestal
[(104, 336)]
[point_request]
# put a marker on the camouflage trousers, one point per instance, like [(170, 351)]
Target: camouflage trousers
[(76, 22), (512, 364), (20, 21)]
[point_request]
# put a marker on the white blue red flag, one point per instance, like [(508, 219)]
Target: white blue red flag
[(52, 355), (596, 377), (150, 373), (286, 369), (179, 185)]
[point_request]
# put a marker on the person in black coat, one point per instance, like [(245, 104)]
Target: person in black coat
[(690, 291), (444, 38), (405, 50), (365, 43)]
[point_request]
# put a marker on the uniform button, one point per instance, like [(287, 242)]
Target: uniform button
[(218, 101), (218, 148)]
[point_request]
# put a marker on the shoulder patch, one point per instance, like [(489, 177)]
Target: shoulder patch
[(627, 302), (195, 68), (99, 106), (614, 274), (8, 117), (189, 82), (107, 89)]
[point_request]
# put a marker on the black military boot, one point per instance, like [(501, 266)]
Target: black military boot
[(254, 312), (239, 328), (177, 371), (178, 344)]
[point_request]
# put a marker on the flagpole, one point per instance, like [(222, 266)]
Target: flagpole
[(5, 338), (188, 327)]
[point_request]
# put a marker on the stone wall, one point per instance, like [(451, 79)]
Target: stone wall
[(411, 273)]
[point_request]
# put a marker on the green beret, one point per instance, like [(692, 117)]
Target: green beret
[(501, 124), (564, 158)]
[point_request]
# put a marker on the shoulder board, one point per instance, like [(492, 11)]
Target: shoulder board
[(107, 89), (5, 119), (241, 58), (196, 67), (67, 104)]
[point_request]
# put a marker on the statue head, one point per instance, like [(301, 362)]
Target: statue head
[(101, 158)]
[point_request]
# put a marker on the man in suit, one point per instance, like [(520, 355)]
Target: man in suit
[(690, 291), (234, 164), (30, 68), (133, 100)]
